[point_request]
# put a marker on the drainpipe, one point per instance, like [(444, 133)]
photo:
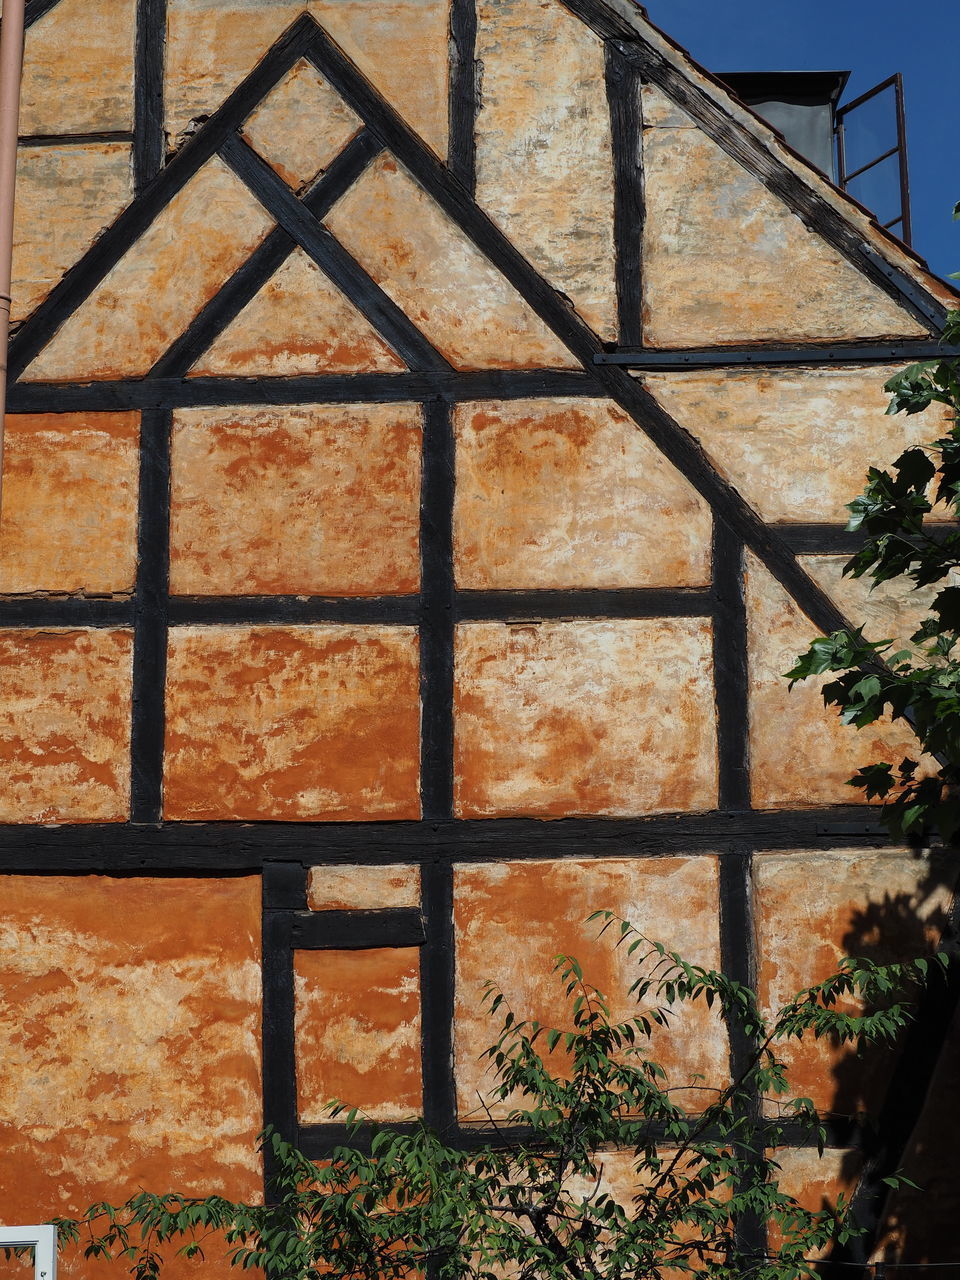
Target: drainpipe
[(11, 71)]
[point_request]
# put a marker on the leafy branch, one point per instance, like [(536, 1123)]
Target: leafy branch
[(587, 1098), (919, 686)]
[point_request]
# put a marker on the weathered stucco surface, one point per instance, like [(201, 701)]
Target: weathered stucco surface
[(358, 1032), (64, 725), (570, 493), (401, 45), (301, 125), (544, 158), (69, 502), (812, 908), (320, 500), (726, 261), (78, 73), (362, 888), (298, 323), (292, 723), (559, 718), (795, 443), (130, 1024), (886, 610), (467, 309), (514, 918), (800, 753), (147, 299), (88, 186)]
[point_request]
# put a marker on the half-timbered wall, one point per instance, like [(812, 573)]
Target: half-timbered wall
[(429, 434)]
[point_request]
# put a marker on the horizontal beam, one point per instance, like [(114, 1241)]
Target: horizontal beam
[(357, 930), (230, 848), (765, 357), (355, 388)]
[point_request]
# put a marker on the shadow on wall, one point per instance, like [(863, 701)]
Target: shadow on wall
[(908, 1091)]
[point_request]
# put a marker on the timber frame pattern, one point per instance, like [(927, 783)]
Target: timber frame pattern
[(283, 852)]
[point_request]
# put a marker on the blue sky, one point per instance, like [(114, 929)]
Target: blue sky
[(873, 39)]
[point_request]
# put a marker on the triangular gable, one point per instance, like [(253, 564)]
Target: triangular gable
[(725, 260), (839, 219)]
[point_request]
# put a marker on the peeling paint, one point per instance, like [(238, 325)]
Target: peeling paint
[(65, 725), (362, 888), (570, 493), (812, 908), (801, 755), (401, 45), (88, 186), (726, 261), (320, 500), (147, 300), (433, 272), (358, 1032), (795, 443), (292, 723), (78, 74), (69, 502), (298, 323), (301, 125), (544, 158), (130, 1024), (513, 919), (561, 718)]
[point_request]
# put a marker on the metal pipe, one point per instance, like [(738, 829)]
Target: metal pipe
[(11, 71)]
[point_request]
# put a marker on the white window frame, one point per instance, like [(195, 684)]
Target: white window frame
[(42, 1240)]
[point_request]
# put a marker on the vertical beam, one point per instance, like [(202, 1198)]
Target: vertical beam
[(436, 759), (284, 888), (149, 144), (731, 691), (150, 618), (731, 685), (464, 98), (629, 208), (436, 604), (437, 977)]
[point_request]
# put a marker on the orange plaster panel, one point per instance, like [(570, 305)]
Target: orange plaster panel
[(130, 1018), (544, 156), (313, 501), (88, 186), (811, 909), (65, 725), (147, 299), (795, 443), (301, 125), (362, 888), (358, 1032), (69, 502), (887, 610), (292, 723), (800, 753), (78, 73), (570, 493), (725, 261), (298, 323), (561, 718), (401, 45), (513, 919), (432, 271)]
